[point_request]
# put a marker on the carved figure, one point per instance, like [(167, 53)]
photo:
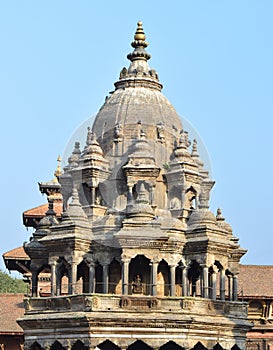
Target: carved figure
[(118, 131), (137, 287), (160, 132)]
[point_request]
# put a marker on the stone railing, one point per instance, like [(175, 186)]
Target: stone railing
[(106, 302)]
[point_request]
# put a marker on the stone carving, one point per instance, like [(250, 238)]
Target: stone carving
[(118, 132), (125, 302), (27, 304), (68, 303), (187, 304), (137, 286), (160, 132)]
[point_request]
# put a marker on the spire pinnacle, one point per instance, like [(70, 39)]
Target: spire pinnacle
[(139, 44), (58, 171)]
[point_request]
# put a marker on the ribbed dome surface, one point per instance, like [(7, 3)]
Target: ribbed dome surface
[(136, 104)]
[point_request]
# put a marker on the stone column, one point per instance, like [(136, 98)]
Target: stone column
[(205, 282), (172, 280), (73, 277), (93, 195), (152, 195), (229, 287), (34, 283), (222, 284), (130, 194), (53, 279), (91, 287), (105, 278), (235, 287), (125, 275), (213, 287), (154, 276), (184, 281)]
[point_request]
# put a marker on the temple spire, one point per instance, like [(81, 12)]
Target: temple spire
[(139, 44)]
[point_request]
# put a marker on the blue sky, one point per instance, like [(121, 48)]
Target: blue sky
[(59, 59)]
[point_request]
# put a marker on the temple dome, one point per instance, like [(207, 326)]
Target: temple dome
[(137, 104)]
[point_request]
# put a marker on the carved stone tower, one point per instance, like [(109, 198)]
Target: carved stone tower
[(137, 259)]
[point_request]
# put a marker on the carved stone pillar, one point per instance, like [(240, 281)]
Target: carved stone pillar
[(53, 279), (205, 281), (213, 285), (125, 275), (154, 276), (105, 278), (235, 287), (184, 281), (73, 277), (222, 284), (34, 282), (229, 287), (93, 195), (91, 287), (152, 196), (130, 194), (172, 280)]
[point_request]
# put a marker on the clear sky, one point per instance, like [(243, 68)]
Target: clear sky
[(59, 59)]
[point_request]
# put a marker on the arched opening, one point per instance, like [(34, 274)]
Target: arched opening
[(98, 278), (62, 276), (35, 346), (57, 346), (190, 199), (139, 345), (83, 276), (194, 276), (163, 280), (44, 285), (139, 275), (79, 346), (199, 346), (217, 347), (170, 346), (235, 347), (115, 283), (108, 345)]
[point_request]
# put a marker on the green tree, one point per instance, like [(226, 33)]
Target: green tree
[(11, 285)]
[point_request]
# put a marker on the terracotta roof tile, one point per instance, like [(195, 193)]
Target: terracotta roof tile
[(17, 253), (11, 308), (41, 210), (256, 280)]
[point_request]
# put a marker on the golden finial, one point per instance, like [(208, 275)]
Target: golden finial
[(139, 44), (139, 35), (58, 171)]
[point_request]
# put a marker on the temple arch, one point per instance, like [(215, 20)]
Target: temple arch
[(163, 280), (35, 346), (139, 273), (217, 347), (115, 284), (139, 345), (57, 346), (171, 345), (79, 346), (194, 276), (199, 346), (62, 276), (107, 345)]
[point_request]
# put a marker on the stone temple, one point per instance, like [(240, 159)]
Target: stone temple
[(136, 259)]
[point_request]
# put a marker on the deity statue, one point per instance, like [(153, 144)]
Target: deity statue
[(137, 287)]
